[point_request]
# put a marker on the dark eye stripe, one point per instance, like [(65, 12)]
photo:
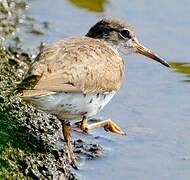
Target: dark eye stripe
[(125, 34)]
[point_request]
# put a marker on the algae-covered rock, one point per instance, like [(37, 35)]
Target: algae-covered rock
[(31, 142)]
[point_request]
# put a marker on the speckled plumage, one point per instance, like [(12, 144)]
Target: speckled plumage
[(81, 63)]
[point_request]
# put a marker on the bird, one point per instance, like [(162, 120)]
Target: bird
[(74, 78)]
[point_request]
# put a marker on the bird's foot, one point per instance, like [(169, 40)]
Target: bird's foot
[(73, 163), (108, 125), (112, 127)]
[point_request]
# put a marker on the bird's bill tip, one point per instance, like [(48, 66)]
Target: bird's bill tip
[(146, 52)]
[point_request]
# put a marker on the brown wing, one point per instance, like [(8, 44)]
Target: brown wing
[(46, 90), (84, 63)]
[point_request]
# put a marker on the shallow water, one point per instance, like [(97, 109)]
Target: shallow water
[(153, 105)]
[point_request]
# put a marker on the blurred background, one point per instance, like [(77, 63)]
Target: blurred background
[(153, 104)]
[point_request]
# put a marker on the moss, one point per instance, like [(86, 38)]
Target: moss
[(30, 143), (26, 150)]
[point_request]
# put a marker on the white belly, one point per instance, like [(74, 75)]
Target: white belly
[(68, 106)]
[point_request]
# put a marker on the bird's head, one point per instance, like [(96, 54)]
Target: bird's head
[(121, 36)]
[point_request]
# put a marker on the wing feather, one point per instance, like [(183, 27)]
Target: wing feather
[(80, 64)]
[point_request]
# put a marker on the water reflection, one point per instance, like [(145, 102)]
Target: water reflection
[(93, 6), (182, 67)]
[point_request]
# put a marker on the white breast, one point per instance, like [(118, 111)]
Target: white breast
[(68, 106)]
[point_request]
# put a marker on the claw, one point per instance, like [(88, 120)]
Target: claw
[(73, 164), (112, 127)]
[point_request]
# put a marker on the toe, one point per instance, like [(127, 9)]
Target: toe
[(115, 129)]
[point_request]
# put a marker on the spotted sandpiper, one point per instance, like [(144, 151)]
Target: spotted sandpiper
[(76, 77)]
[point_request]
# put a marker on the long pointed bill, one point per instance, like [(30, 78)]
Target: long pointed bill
[(146, 52)]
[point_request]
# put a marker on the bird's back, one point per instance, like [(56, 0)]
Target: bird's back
[(75, 64)]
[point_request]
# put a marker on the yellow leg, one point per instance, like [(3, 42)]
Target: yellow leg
[(67, 137), (84, 124), (108, 125)]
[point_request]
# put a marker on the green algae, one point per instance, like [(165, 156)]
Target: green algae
[(28, 146)]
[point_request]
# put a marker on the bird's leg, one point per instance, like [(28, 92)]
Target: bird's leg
[(84, 124), (67, 137), (108, 125)]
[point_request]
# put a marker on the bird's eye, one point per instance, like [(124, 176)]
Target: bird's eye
[(125, 34)]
